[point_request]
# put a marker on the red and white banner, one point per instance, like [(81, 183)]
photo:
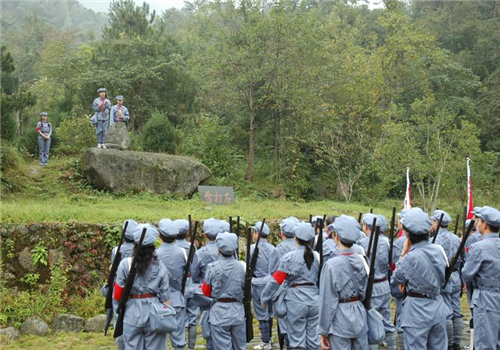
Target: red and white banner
[(407, 202), (470, 205)]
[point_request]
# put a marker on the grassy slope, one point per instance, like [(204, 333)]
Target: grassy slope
[(48, 195)]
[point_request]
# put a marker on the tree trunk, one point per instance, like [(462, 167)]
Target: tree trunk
[(252, 134), (276, 147)]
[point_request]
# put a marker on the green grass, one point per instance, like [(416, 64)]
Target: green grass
[(55, 193), (74, 341)]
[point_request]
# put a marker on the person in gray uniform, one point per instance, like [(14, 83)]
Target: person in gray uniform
[(150, 287), (298, 271), (204, 256), (126, 251), (119, 113), (451, 294), (474, 236), (263, 311), (398, 295), (330, 249), (342, 315), (174, 258), (482, 271), (381, 294), (285, 247), (102, 109), (225, 283), (44, 131), (192, 309), (420, 272)]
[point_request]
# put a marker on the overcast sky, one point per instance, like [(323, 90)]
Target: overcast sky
[(158, 5), (161, 5)]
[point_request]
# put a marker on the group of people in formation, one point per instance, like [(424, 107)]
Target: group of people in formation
[(321, 308), (105, 115)]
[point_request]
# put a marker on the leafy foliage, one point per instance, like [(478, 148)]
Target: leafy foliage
[(159, 134), (75, 136)]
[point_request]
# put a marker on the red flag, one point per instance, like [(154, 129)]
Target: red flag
[(470, 205), (407, 201)]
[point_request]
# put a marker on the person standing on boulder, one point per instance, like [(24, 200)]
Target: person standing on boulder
[(102, 109), (119, 113), (44, 130)]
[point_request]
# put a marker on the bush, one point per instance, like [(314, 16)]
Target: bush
[(208, 142), (75, 136), (8, 126), (159, 134)]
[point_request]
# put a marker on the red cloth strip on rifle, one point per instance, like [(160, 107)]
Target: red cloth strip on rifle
[(280, 276), (118, 291), (207, 289), (142, 296)]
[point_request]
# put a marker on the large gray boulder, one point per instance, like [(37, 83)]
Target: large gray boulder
[(96, 324), (118, 171), (117, 136), (67, 323), (35, 326)]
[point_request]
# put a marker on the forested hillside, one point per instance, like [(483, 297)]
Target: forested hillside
[(299, 99)]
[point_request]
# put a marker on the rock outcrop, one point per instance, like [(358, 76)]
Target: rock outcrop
[(67, 323), (35, 326), (118, 171), (117, 136)]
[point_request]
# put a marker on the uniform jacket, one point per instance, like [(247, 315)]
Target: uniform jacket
[(174, 259), (102, 108), (347, 320), (422, 270), (482, 270)]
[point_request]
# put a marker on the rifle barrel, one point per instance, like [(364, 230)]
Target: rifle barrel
[(371, 276), (449, 269), (438, 227), (114, 266), (187, 268), (127, 289), (374, 224), (391, 241)]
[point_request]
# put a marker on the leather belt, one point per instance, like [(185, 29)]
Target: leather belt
[(142, 296), (417, 295), (302, 284), (380, 280), (227, 300), (350, 300)]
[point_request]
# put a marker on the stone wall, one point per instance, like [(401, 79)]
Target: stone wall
[(84, 249)]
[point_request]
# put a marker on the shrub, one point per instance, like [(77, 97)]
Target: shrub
[(8, 126), (208, 142), (75, 136), (159, 134)]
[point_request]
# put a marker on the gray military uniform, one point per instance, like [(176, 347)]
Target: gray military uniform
[(174, 259), (423, 317), (102, 109), (301, 299), (44, 144), (226, 276), (482, 271), (344, 321), (381, 297), (136, 331)]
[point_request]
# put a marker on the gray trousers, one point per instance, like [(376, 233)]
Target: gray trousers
[(302, 324), (430, 338), (137, 338), (178, 338), (101, 130), (193, 311), (44, 146), (486, 329), (360, 343), (229, 337)]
